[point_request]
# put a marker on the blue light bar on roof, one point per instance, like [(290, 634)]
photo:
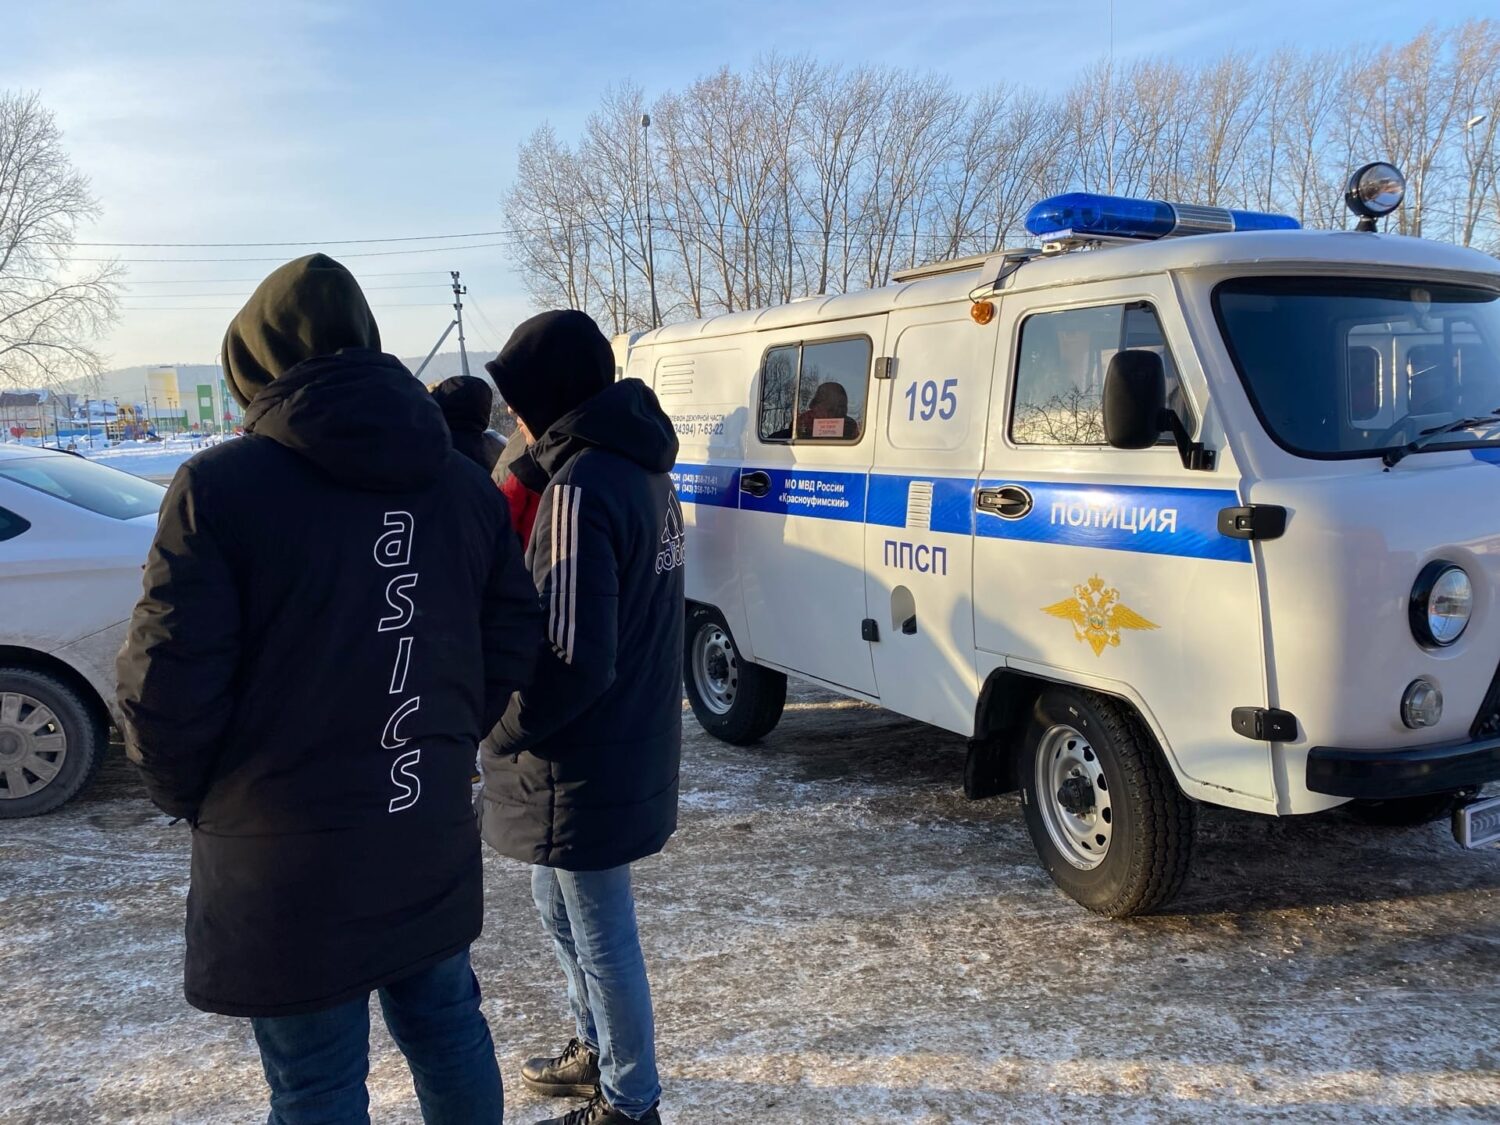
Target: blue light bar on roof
[(1082, 214)]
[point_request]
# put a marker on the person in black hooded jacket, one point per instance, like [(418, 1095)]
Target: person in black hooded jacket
[(580, 775), (466, 402), (334, 611)]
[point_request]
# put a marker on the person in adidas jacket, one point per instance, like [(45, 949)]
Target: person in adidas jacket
[(580, 776)]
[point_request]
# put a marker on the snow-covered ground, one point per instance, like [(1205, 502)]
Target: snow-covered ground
[(157, 460), (837, 935)]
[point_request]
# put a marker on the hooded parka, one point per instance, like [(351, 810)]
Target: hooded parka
[(466, 402), (334, 611), (582, 771)]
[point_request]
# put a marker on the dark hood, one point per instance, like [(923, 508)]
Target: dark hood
[(551, 364), (309, 307), (360, 416), (624, 418), (465, 401)]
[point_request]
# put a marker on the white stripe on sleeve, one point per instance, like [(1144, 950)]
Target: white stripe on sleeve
[(573, 574), (564, 606)]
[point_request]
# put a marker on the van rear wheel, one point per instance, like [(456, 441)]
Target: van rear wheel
[(1106, 816), (733, 700)]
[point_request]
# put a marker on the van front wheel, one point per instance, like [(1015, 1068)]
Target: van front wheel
[(734, 700), (1105, 814)]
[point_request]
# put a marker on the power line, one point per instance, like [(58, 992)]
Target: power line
[(494, 333), (244, 293), (257, 280), (236, 308), (672, 224), (297, 241), (565, 228), (279, 258)]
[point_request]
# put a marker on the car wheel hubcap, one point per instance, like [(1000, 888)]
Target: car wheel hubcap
[(716, 669), (32, 745), (1073, 797)]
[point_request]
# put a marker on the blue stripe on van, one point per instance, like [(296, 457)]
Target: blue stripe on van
[(1144, 520), (802, 492), (952, 502), (718, 485), (1151, 521), (1490, 455)]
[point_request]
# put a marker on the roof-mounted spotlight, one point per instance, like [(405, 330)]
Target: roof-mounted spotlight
[(1373, 192)]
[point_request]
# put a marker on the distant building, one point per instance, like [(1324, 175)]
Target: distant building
[(188, 397), (34, 413)]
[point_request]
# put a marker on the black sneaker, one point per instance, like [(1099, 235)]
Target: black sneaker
[(572, 1074), (600, 1112)]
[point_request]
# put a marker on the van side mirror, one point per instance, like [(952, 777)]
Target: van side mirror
[(1135, 408), (1135, 397)]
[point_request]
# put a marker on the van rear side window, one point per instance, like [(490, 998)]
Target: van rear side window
[(815, 392), (1064, 356)]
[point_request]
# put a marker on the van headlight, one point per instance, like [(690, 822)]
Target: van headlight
[(1441, 603)]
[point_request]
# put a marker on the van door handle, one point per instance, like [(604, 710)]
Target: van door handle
[(756, 483), (1009, 502)]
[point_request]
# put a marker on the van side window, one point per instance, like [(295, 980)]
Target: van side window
[(1061, 367), (815, 392), (1366, 383)]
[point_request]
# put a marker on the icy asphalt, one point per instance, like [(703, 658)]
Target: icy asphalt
[(837, 935)]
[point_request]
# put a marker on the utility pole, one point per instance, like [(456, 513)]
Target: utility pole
[(650, 237), (458, 316)]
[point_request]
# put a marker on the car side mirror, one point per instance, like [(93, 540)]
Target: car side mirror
[(1136, 413), (1135, 398)]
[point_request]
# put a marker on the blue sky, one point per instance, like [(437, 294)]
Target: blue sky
[(325, 120)]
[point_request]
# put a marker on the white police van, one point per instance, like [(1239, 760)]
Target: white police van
[(1152, 520)]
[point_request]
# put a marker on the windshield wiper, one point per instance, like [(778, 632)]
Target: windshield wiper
[(1393, 457)]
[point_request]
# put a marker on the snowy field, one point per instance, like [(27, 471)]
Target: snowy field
[(153, 460), (837, 935)]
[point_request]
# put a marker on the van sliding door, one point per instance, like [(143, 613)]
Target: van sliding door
[(802, 497)]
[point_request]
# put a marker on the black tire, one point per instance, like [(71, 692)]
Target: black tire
[(1137, 811), (1406, 812), (85, 739), (750, 704)]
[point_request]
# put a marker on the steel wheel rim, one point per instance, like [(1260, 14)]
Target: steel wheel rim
[(33, 745), (716, 669), (1066, 766)]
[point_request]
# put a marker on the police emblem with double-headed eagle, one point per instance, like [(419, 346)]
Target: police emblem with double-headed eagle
[(1098, 615)]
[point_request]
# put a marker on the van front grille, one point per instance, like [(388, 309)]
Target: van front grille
[(1487, 722)]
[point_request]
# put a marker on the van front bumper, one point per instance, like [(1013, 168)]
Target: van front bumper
[(1412, 772)]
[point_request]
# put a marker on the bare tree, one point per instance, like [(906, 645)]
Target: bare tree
[(792, 177), (1476, 72), (554, 238), (49, 308), (1409, 99)]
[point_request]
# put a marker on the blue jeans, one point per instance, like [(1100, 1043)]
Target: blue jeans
[(316, 1063), (590, 916)]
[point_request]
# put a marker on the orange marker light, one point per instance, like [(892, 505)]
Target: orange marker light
[(982, 311)]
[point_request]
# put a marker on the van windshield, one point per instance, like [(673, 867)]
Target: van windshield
[(1344, 367)]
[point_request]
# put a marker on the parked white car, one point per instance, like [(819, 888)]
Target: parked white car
[(73, 538)]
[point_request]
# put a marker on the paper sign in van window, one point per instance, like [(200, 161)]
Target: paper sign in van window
[(828, 428)]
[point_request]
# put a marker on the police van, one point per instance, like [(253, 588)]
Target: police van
[(1184, 505)]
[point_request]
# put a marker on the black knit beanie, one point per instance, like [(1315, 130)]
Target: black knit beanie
[(552, 364)]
